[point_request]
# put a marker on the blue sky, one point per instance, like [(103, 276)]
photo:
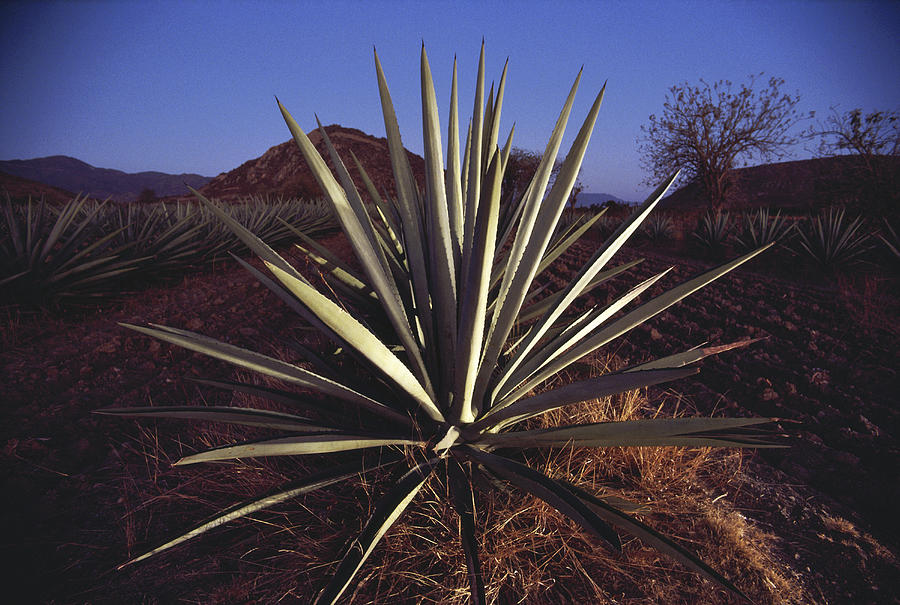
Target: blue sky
[(189, 86)]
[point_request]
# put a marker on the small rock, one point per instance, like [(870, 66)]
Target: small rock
[(654, 334), (872, 428), (820, 378), (195, 324), (769, 394)]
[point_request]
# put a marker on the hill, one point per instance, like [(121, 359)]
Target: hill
[(800, 184), (71, 174), (282, 171), (18, 188)]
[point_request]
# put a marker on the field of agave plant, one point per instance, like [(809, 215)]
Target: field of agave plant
[(462, 396), (454, 343), (828, 241), (87, 250)]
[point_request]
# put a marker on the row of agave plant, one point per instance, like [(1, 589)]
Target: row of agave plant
[(451, 345), (85, 249), (829, 239)]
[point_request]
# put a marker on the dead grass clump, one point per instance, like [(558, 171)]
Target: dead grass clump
[(529, 552)]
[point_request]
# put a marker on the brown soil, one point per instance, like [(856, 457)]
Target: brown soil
[(826, 369)]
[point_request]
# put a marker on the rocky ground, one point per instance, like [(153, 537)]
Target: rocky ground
[(827, 370)]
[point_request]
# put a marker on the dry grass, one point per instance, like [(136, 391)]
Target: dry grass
[(529, 552)]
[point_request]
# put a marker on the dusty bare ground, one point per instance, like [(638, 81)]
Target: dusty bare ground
[(829, 375)]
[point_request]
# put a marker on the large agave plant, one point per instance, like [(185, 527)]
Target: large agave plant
[(437, 317)]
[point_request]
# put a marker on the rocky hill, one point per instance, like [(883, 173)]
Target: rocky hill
[(282, 171), (802, 184), (71, 174)]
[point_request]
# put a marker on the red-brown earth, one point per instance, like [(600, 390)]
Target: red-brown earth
[(827, 369)]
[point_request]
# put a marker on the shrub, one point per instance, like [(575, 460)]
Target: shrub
[(453, 372)]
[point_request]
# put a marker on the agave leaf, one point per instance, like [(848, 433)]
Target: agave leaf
[(616, 502), (516, 282), (630, 320), (494, 133), (563, 245), (474, 301), (353, 285), (232, 415), (362, 340), (653, 538), (387, 511), (692, 432), (410, 219), (690, 356), (366, 251), (274, 497), (550, 491), (442, 269), (65, 219), (327, 258), (269, 366), (584, 277), (473, 169), (568, 338), (541, 307), (464, 502), (453, 176), (386, 212), (576, 392), (287, 298), (296, 445), (352, 197)]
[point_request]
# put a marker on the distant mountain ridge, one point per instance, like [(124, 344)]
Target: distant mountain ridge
[(588, 199), (282, 170), (74, 175)]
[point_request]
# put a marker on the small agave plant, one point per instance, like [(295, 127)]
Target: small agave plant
[(444, 317)]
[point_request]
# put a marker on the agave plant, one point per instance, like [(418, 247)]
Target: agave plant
[(436, 317), (761, 228), (51, 255), (658, 227), (832, 242), (890, 240), (712, 231)]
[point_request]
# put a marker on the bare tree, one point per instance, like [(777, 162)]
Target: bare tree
[(874, 139), (520, 169), (707, 130)]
